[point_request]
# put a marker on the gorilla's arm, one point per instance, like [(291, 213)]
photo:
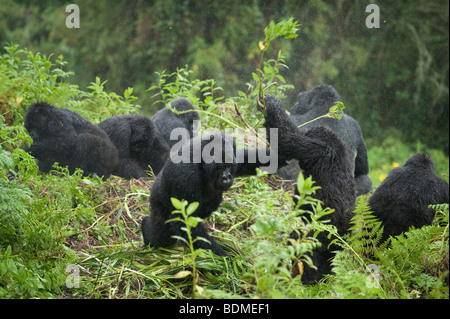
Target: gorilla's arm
[(289, 138), (321, 154), (248, 160), (276, 117)]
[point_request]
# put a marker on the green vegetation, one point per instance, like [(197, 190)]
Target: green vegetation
[(67, 235), (393, 80)]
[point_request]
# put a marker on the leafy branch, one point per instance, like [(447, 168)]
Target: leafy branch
[(335, 112), (287, 29), (190, 222)]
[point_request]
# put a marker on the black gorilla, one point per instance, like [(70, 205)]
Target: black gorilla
[(205, 170), (64, 136), (403, 197), (166, 121), (316, 102), (323, 156), (139, 145)]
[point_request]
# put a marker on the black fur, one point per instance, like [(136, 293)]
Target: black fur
[(166, 121), (195, 182), (139, 144), (64, 136), (322, 155), (402, 199), (317, 102)]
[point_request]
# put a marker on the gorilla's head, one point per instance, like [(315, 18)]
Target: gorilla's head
[(317, 100), (44, 120), (218, 160), (189, 118)]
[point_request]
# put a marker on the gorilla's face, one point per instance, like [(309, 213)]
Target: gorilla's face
[(218, 160), (222, 175)]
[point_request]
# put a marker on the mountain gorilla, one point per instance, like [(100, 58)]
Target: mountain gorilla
[(323, 156), (402, 199), (139, 145), (316, 102), (166, 121), (205, 167), (64, 136)]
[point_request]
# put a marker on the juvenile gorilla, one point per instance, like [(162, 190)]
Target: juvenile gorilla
[(317, 102), (166, 121), (402, 199), (323, 156), (139, 145), (64, 136), (201, 180)]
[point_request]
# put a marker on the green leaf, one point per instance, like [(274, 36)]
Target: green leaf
[(128, 92), (192, 208), (177, 203), (192, 222), (300, 182), (255, 77), (8, 252)]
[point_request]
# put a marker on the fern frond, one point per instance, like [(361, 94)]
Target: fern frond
[(366, 231), (441, 215), (417, 255)]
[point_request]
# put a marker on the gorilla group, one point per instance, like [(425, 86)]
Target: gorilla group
[(320, 152), (332, 152), (63, 136), (400, 202), (317, 102), (125, 145), (145, 143)]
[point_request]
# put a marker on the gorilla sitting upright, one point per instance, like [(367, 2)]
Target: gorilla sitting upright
[(139, 144), (323, 156), (166, 121), (64, 136), (203, 169), (317, 102), (402, 199)]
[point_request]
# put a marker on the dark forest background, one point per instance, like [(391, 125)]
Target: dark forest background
[(394, 80)]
